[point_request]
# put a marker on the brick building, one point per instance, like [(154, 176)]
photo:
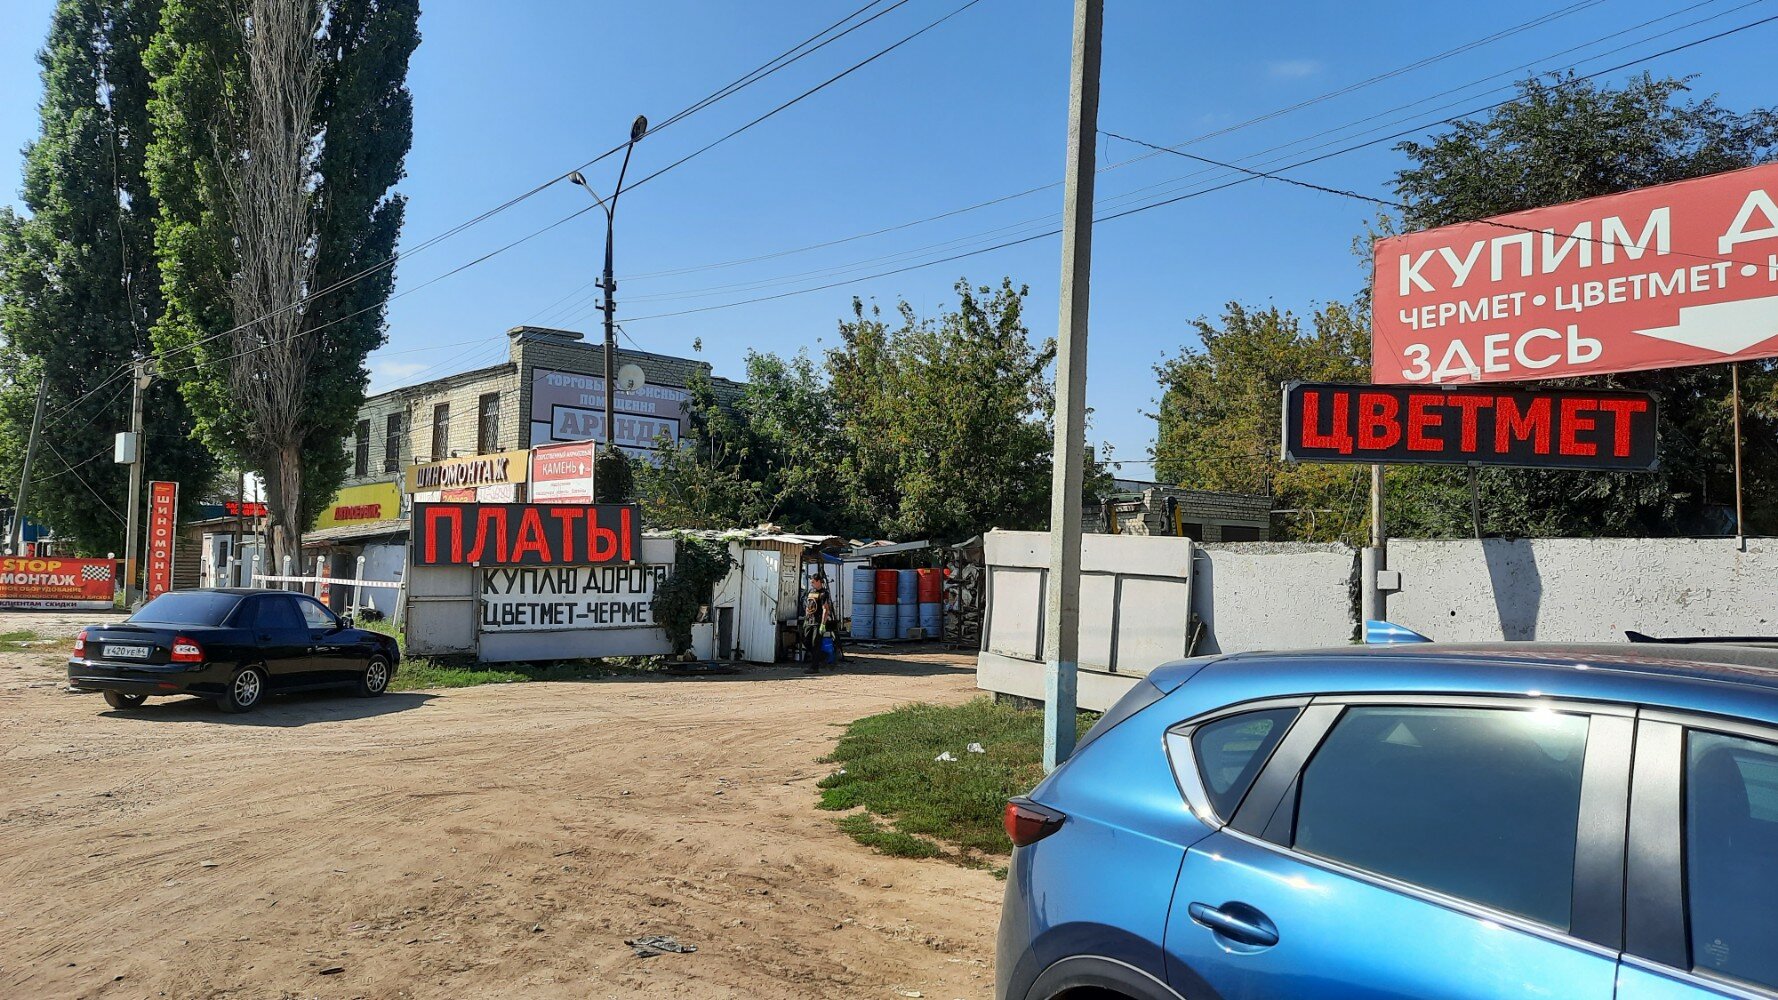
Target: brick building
[(550, 388)]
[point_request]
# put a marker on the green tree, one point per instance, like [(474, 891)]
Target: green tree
[(945, 424), (1219, 413), (1564, 139), (281, 127), (769, 455), (79, 281)]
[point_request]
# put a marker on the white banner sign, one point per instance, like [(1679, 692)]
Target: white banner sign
[(550, 598)]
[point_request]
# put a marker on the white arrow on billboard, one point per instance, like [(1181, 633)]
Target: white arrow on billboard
[(1723, 327)]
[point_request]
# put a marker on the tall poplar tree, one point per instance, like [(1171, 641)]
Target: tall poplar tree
[(79, 282), (274, 164)]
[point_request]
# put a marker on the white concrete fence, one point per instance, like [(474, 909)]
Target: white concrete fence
[(1242, 596)]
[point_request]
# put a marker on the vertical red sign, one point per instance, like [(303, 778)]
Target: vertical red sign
[(163, 510)]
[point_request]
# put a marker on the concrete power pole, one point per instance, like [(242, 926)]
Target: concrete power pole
[(1061, 632), (17, 539), (138, 452)]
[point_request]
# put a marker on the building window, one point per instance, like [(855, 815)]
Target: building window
[(441, 431), (361, 449), (392, 443), (487, 435)]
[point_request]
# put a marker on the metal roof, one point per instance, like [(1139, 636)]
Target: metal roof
[(356, 532)]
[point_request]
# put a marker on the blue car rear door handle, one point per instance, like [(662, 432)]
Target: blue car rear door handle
[(1231, 926)]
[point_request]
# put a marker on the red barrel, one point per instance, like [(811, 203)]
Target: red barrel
[(932, 587), (886, 585)]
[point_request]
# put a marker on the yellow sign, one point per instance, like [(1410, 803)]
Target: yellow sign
[(360, 505), (464, 473)]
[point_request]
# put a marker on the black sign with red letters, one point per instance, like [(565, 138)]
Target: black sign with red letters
[(526, 534), (1603, 430)]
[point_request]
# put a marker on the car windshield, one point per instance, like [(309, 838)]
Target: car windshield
[(187, 608)]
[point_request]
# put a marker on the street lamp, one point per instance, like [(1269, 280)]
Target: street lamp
[(638, 129)]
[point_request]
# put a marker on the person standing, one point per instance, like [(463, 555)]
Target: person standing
[(819, 619)]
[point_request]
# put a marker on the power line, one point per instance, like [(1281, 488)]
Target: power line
[(1105, 204), (1428, 60), (772, 66), (848, 71), (834, 271), (1200, 192)]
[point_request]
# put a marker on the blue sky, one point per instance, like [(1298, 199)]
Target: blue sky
[(508, 95)]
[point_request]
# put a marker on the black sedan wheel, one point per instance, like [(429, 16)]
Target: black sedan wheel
[(244, 691), (121, 701), (375, 679)]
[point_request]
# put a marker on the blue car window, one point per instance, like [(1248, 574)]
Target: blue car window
[(1231, 751), (1480, 804), (1731, 856)]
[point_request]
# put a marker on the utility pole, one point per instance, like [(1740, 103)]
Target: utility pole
[(1061, 631), (608, 282), (18, 511), (1375, 559), (1735, 384), (141, 367)]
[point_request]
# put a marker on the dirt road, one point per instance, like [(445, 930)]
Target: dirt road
[(483, 842)]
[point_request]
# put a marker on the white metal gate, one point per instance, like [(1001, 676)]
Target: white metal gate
[(760, 571)]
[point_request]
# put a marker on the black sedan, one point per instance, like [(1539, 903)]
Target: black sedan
[(234, 646)]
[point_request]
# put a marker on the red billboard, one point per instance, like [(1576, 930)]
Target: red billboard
[(163, 525), (1661, 277), (526, 534), (563, 473), (1604, 430), (53, 584)]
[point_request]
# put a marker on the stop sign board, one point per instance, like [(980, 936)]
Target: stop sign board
[(1660, 277)]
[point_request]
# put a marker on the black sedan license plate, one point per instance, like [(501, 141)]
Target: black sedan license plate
[(114, 651)]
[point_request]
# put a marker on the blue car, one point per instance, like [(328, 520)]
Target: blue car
[(1455, 822)]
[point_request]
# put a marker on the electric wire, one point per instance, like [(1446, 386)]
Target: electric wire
[(1200, 192), (1048, 219)]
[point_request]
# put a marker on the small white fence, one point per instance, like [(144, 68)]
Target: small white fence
[(318, 584)]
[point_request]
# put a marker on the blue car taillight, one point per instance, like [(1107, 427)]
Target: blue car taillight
[(1027, 822)]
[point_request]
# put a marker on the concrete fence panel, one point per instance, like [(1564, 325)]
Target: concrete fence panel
[(1584, 590), (1275, 595)]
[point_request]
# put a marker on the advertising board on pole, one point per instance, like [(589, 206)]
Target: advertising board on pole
[(1660, 277), (563, 473), (1602, 430), (540, 598), (526, 534), (53, 584), (163, 511)]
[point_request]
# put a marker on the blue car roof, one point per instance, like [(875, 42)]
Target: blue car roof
[(1728, 680)]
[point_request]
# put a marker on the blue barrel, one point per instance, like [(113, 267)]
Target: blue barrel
[(864, 586), (907, 590), (864, 621), (907, 618), (886, 622), (932, 619)]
